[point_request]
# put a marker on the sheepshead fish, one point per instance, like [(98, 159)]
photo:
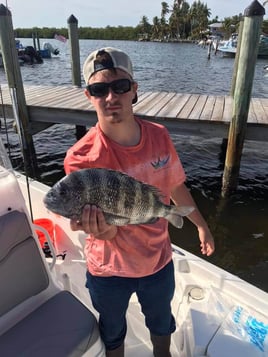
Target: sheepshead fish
[(123, 199)]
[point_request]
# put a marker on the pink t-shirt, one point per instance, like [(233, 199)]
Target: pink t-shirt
[(136, 250)]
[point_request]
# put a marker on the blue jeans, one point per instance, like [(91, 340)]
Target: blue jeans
[(110, 297)]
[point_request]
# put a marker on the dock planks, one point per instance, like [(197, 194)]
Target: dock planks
[(188, 114)]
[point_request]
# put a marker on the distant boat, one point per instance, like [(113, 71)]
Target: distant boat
[(31, 55), (229, 47)]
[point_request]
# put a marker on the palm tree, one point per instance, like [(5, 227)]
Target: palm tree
[(156, 28), (193, 16), (185, 19), (163, 22), (205, 16), (174, 21), (179, 19), (165, 9), (228, 26), (199, 15), (145, 28), (178, 3)]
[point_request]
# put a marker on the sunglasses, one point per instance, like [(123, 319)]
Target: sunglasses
[(101, 89)]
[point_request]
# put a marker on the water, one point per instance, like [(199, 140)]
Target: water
[(182, 68), (239, 225)]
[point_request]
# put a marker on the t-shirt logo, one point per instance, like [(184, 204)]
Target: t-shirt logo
[(160, 162)]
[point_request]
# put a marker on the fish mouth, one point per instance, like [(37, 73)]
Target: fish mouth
[(50, 203), (57, 210)]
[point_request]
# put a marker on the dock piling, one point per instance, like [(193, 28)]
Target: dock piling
[(236, 61), (209, 49), (74, 49), (75, 62), (14, 79), (242, 94)]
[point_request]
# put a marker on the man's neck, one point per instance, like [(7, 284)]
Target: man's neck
[(124, 133)]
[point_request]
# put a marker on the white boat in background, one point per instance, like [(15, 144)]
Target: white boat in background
[(229, 48), (45, 309)]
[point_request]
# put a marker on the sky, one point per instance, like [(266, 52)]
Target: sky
[(55, 13)]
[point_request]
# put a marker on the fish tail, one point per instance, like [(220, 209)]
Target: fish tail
[(175, 214)]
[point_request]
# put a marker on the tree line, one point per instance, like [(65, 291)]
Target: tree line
[(178, 21)]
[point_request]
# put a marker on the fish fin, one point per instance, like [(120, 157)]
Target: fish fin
[(152, 220), (115, 219), (175, 214), (184, 210)]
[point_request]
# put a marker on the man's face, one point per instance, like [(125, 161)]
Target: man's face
[(113, 107)]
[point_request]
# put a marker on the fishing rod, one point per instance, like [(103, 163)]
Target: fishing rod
[(5, 121), (22, 141), (23, 145)]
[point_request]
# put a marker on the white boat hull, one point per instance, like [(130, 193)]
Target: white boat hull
[(217, 314), (229, 48)]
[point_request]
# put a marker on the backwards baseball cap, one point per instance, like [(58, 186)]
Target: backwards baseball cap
[(106, 58)]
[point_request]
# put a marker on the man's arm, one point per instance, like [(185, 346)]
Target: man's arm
[(181, 196)]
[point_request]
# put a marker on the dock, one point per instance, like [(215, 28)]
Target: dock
[(186, 114)]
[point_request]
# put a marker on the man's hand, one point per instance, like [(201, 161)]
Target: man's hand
[(182, 197), (206, 241), (93, 222)]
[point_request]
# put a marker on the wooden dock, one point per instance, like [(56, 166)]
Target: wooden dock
[(186, 114)]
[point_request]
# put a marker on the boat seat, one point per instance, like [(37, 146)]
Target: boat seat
[(61, 327), (36, 317)]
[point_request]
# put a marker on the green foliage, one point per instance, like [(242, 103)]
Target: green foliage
[(265, 27), (107, 33), (111, 33), (44, 32)]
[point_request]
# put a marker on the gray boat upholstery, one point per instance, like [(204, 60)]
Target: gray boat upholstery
[(22, 272), (56, 324)]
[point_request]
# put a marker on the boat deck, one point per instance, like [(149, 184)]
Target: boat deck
[(187, 114)]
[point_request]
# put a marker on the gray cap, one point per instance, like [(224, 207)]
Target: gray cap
[(114, 59)]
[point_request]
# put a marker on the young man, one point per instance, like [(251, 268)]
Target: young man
[(132, 258)]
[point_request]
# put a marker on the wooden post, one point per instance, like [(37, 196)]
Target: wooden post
[(14, 79), (75, 61), (38, 41), (209, 49), (242, 94), (75, 51), (34, 40), (239, 40)]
